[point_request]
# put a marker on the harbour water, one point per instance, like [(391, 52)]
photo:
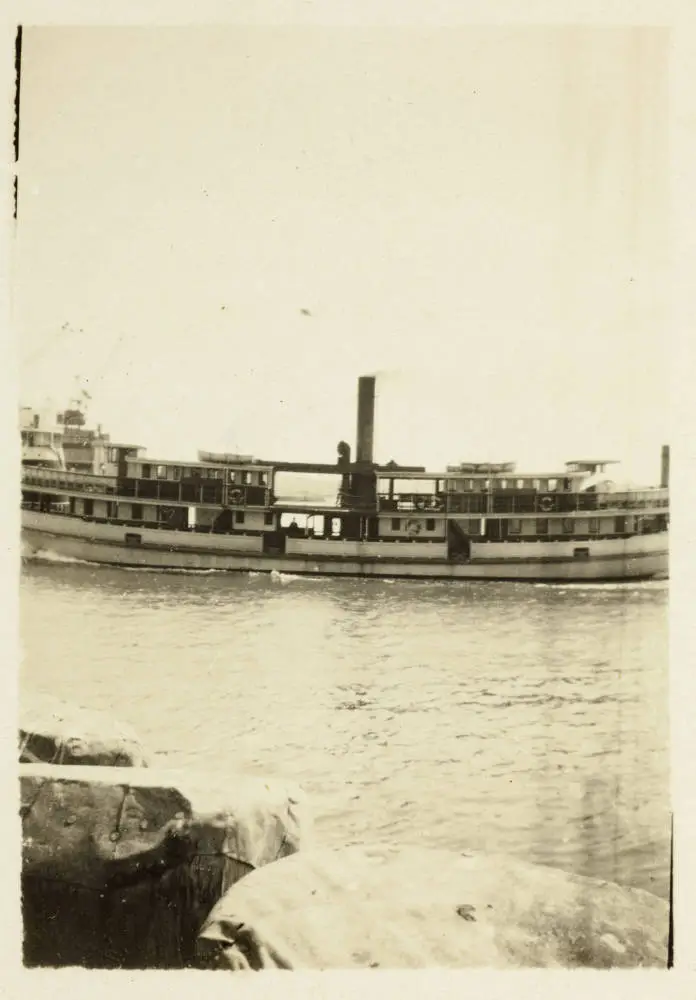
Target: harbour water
[(517, 718)]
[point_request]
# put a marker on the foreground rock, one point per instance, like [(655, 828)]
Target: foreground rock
[(369, 907), (120, 866), (57, 732)]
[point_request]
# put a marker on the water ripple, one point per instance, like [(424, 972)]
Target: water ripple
[(501, 717)]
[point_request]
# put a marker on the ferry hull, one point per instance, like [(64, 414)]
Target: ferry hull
[(645, 558)]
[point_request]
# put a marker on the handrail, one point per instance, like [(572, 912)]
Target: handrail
[(527, 504), (476, 504), (38, 475)]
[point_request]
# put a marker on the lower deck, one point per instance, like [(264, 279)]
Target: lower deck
[(632, 557)]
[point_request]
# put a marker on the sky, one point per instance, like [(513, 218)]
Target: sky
[(221, 228)]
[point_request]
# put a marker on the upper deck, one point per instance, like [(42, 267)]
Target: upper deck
[(367, 488), (252, 486)]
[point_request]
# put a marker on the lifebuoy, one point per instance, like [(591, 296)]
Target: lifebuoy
[(236, 496), (413, 527), (547, 504)]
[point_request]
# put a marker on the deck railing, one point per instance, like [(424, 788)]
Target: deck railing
[(60, 479), (541, 504), (215, 493), (483, 503)]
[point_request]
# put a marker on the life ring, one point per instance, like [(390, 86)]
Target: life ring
[(547, 504), (236, 496), (413, 527)]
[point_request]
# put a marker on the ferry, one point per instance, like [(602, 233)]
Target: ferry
[(471, 522)]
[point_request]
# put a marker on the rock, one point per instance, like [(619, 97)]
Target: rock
[(392, 907), (57, 732), (120, 866)]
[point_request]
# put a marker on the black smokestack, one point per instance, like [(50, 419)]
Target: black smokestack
[(366, 419), (664, 466)]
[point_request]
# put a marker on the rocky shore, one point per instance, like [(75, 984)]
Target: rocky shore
[(122, 862), (125, 865)]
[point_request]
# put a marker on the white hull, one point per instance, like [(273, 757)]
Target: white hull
[(610, 559)]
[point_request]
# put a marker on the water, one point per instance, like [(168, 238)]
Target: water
[(502, 717)]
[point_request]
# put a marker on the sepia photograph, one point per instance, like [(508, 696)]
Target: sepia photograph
[(345, 496)]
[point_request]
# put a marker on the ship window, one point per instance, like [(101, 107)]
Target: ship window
[(514, 526), (88, 508), (263, 478), (553, 484), (620, 525), (583, 553), (335, 526), (475, 527), (593, 525), (239, 517), (161, 472), (268, 517), (396, 523), (137, 512), (147, 471), (430, 524), (567, 525), (542, 526), (486, 484), (176, 472), (36, 420), (536, 484), (520, 484), (503, 484)]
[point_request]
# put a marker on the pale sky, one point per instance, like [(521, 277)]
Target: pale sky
[(478, 214)]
